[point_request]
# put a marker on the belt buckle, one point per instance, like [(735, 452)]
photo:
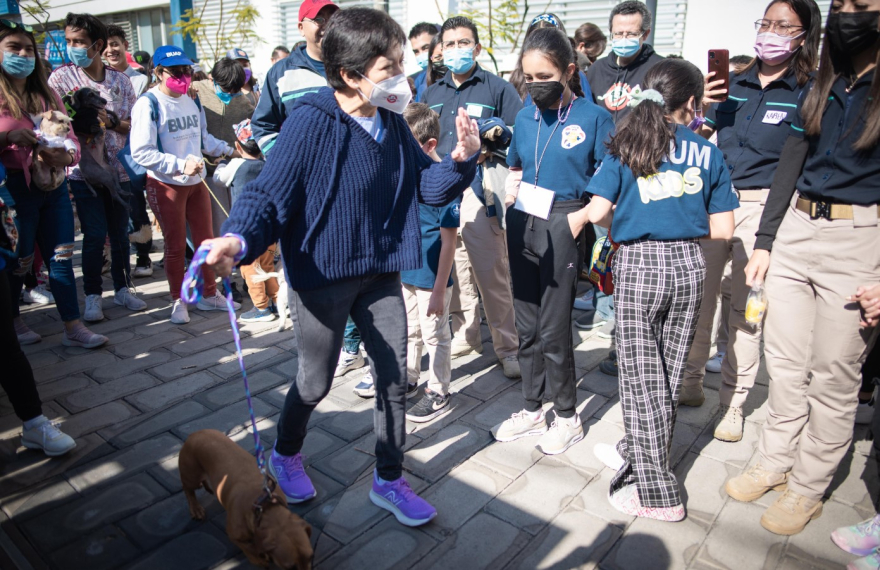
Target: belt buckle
[(821, 210)]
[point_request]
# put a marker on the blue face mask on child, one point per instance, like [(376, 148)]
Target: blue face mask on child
[(80, 56), (225, 98), (17, 66), (459, 60)]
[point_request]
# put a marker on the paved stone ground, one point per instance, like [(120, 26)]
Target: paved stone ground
[(116, 500)]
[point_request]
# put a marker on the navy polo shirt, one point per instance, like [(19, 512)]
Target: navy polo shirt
[(833, 171), (752, 126), (431, 220), (572, 155), (483, 96), (675, 203)]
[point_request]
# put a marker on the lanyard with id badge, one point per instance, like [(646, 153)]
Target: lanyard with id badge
[(531, 198)]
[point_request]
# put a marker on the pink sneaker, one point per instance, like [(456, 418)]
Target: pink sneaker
[(399, 498), (626, 500), (861, 539), (83, 338)]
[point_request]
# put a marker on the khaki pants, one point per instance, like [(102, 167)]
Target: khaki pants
[(262, 292), (487, 251), (743, 357), (722, 318), (465, 306), (431, 333), (814, 346)]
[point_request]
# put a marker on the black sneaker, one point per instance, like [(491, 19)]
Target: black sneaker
[(412, 389), (432, 405), (236, 294), (609, 365)]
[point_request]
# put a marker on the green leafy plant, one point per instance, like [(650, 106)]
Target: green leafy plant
[(38, 10), (235, 26), (501, 25)]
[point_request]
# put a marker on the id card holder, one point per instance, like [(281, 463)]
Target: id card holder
[(534, 200)]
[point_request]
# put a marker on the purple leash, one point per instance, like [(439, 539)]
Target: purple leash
[(191, 291)]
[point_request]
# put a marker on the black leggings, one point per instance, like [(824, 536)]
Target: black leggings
[(871, 368), (18, 379)]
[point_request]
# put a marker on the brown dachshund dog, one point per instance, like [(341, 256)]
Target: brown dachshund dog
[(211, 460)]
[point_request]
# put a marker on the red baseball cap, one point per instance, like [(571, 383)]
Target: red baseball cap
[(310, 8)]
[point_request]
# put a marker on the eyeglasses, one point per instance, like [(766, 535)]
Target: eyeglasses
[(782, 28), (178, 72), (627, 35), (319, 21), (16, 25), (463, 44)]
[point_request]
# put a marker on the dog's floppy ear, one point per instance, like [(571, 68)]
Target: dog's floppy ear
[(61, 117)]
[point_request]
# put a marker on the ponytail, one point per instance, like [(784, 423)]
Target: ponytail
[(645, 136)]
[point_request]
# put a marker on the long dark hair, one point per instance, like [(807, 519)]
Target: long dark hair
[(554, 45), (645, 136), (433, 75), (814, 105), (516, 77), (804, 61), (37, 96)]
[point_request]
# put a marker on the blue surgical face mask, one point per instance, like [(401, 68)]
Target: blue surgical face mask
[(626, 47), (225, 98), (80, 56), (17, 66), (459, 60), (422, 60)]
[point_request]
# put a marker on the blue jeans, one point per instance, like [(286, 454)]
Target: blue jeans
[(351, 341), (604, 303), (44, 219), (100, 216)]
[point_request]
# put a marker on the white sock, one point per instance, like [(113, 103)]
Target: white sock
[(535, 415), (383, 481), (35, 421)]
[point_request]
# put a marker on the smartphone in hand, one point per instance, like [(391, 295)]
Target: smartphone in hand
[(719, 62)]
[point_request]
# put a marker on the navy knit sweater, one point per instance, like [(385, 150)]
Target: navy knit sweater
[(342, 204)]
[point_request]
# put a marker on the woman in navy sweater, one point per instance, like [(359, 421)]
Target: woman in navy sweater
[(340, 190)]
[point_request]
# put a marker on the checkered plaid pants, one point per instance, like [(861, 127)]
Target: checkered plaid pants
[(658, 287)]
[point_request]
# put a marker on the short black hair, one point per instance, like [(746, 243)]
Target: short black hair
[(251, 147), (282, 49), (460, 22), (632, 7), (424, 28), (354, 37), (741, 59), (228, 74), (115, 31), (94, 28)]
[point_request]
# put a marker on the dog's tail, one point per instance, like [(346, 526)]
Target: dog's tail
[(142, 235)]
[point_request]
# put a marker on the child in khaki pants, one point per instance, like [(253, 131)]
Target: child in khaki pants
[(427, 292)]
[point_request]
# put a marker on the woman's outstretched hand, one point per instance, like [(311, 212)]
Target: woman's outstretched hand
[(468, 137)]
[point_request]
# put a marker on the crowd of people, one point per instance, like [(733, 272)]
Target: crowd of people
[(739, 211)]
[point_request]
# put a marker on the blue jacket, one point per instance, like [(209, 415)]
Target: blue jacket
[(343, 204), (287, 81), (421, 82)]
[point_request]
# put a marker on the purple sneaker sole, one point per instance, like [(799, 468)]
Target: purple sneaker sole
[(384, 503), (291, 499)]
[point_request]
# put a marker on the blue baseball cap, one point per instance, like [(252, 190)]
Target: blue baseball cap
[(237, 53), (168, 56)]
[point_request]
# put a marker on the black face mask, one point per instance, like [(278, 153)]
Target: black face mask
[(850, 34), (439, 68), (545, 93)]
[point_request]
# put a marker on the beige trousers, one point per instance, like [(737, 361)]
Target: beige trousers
[(431, 333), (465, 307), (813, 344), (486, 246)]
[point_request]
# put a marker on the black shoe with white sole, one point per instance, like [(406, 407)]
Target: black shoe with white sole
[(432, 405)]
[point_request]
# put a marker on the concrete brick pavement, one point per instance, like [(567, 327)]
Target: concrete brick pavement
[(115, 502)]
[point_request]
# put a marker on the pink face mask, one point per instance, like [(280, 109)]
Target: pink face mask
[(774, 49), (178, 85)]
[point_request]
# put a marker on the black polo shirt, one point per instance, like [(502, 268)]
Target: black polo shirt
[(752, 126), (483, 96), (833, 171)]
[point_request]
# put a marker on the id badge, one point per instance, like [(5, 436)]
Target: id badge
[(534, 200)]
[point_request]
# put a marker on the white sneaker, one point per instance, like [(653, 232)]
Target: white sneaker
[(510, 364), (215, 303), (608, 455), (520, 424), (48, 437), (714, 364), (93, 311), (39, 295), (563, 433), (585, 301), (179, 313), (128, 299), (865, 413), (348, 362)]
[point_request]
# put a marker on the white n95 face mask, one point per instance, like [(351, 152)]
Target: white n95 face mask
[(393, 94)]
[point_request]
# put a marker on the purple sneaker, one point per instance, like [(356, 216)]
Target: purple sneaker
[(291, 476), (402, 501), (861, 539)]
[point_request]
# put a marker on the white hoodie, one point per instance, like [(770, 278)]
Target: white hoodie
[(182, 130)]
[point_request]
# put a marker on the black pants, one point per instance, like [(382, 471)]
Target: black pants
[(375, 303), (545, 262), (17, 378), (138, 217)]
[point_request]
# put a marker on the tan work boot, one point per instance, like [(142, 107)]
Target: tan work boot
[(691, 396), (790, 513), (754, 483), (730, 426)]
